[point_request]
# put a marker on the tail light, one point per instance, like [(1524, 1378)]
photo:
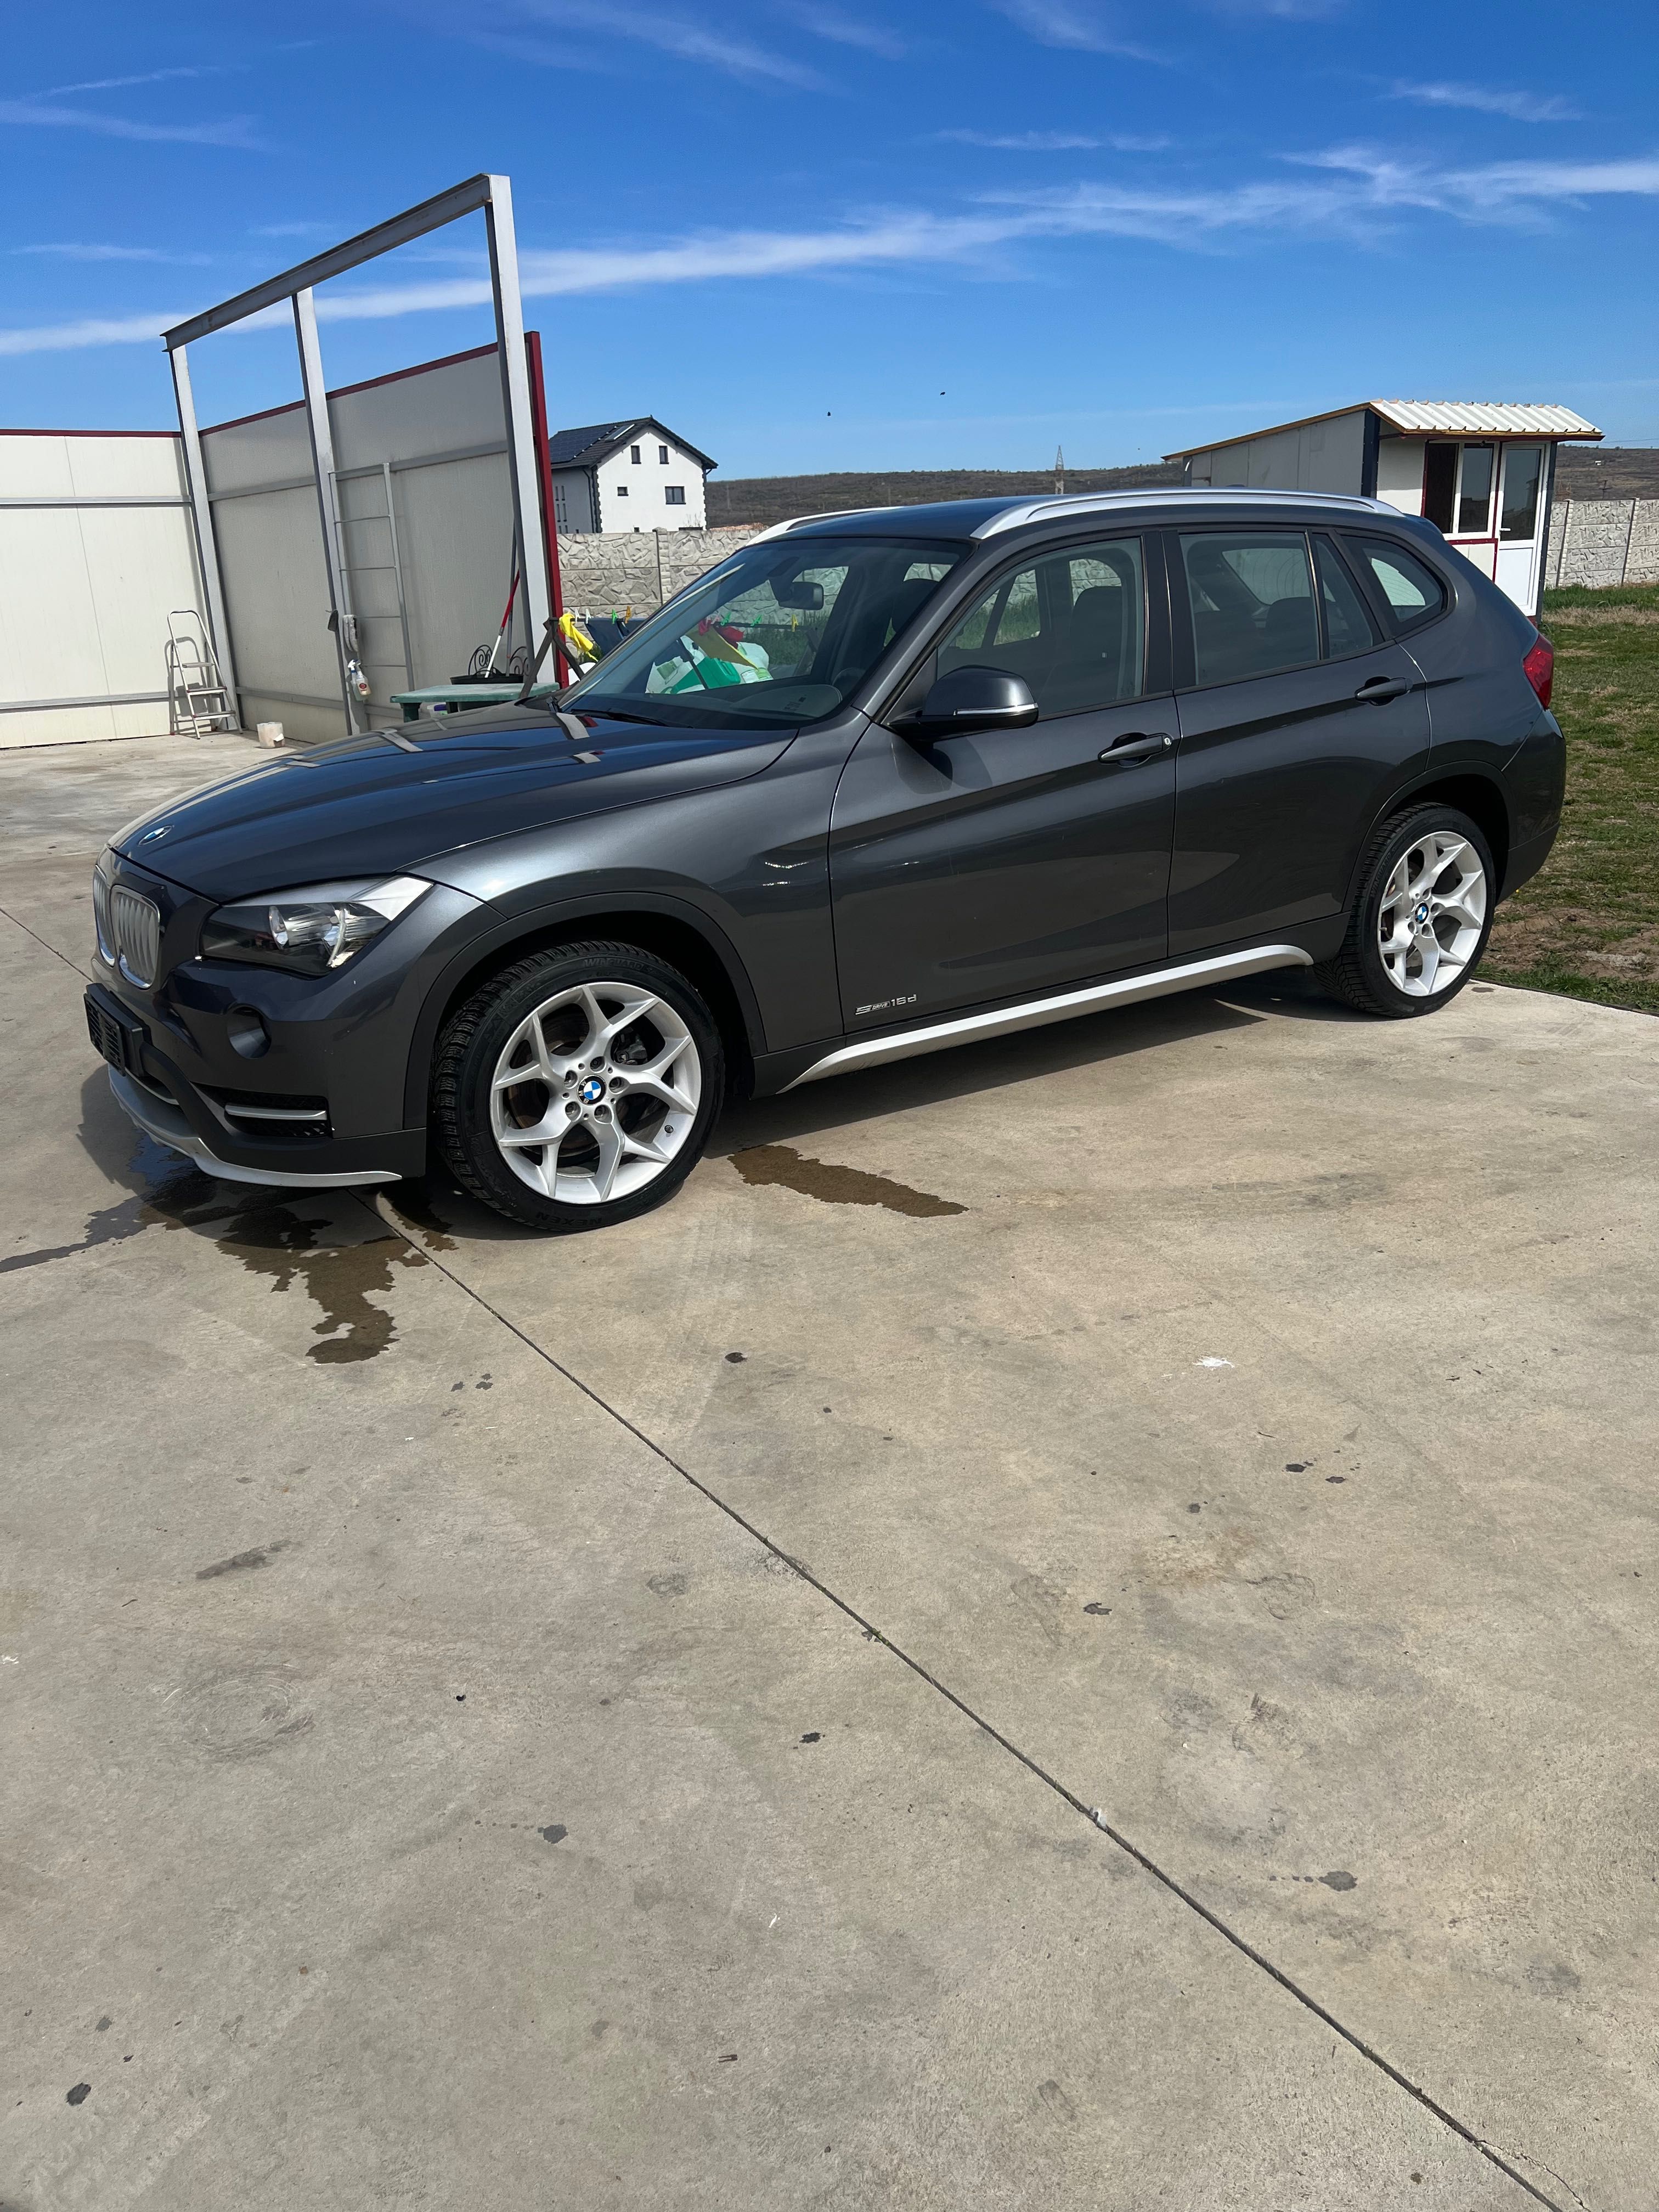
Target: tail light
[(1539, 668)]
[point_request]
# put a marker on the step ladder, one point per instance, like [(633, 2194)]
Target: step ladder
[(197, 699)]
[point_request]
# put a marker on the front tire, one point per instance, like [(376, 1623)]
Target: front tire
[(577, 1087), (1427, 891)]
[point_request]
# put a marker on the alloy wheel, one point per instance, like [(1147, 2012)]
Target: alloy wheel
[(1433, 912), (595, 1092)]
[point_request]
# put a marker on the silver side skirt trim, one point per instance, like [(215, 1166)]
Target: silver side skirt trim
[(168, 1127), (1033, 1014)]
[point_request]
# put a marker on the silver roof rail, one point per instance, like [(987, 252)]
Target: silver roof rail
[(831, 515), (1106, 502)]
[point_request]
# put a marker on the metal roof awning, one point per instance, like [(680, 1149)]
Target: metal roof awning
[(1449, 418)]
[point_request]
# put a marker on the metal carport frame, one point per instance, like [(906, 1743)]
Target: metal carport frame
[(494, 196)]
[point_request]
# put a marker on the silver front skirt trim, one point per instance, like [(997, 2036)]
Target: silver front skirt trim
[(159, 1119), (1033, 1014)]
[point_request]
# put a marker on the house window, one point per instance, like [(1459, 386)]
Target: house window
[(634, 455), (673, 494), (560, 508), (662, 455), (621, 491)]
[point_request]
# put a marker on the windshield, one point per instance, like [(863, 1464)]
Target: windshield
[(779, 634)]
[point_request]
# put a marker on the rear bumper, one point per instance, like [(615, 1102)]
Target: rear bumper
[(1525, 860)]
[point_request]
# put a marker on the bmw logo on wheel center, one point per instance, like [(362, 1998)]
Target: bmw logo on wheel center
[(591, 1092)]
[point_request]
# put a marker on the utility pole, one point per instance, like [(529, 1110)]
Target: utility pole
[(1060, 472)]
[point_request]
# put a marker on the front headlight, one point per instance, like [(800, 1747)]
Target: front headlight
[(311, 931)]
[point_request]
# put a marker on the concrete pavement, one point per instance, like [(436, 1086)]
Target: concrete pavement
[(617, 1720)]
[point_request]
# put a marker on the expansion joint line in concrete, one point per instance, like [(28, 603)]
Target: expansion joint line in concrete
[(1095, 1818), (6, 914)]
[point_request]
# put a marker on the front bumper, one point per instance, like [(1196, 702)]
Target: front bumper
[(266, 1077), (159, 1118)]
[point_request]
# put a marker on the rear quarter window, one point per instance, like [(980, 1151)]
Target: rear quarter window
[(1409, 590)]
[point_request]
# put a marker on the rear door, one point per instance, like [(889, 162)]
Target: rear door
[(1297, 718), (1001, 863)]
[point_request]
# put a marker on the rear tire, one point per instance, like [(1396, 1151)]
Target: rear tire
[(577, 1087), (1419, 925)]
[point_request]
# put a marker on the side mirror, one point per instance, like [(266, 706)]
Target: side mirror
[(972, 699)]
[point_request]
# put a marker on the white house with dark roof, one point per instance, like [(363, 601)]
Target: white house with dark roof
[(1482, 470), (634, 475)]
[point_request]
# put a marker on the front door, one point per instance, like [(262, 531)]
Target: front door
[(1002, 864), (1298, 717)]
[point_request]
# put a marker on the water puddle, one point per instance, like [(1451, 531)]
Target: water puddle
[(837, 1186)]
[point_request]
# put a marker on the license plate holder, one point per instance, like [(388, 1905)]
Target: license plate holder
[(119, 1037)]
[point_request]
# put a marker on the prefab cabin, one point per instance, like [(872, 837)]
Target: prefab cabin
[(1481, 471)]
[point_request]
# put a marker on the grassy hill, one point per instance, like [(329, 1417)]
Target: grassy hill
[(1612, 472), (764, 500)]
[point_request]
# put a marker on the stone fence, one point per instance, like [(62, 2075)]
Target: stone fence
[(1592, 541), (1603, 541), (603, 572)]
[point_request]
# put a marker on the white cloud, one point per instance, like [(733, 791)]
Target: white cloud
[(94, 330), (1498, 191), (1082, 24), (1354, 187), (1050, 141), (1490, 100), (294, 230), (685, 38), (229, 131), (67, 251), (1021, 142), (843, 30), (149, 76)]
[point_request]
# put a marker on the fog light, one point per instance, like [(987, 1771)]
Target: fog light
[(247, 1033)]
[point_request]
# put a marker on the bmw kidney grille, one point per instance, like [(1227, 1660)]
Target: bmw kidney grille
[(137, 923)]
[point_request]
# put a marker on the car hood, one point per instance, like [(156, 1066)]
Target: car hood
[(367, 806)]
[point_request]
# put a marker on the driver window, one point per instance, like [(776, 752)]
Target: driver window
[(1074, 625), (1251, 596)]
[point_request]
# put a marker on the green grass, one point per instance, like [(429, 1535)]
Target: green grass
[(1588, 925)]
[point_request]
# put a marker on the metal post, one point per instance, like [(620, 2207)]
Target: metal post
[(322, 463), (515, 399), (397, 575), (207, 546)]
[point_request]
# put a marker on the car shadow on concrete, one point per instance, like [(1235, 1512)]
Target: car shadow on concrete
[(436, 1213)]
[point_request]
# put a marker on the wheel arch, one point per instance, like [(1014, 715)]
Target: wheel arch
[(686, 938), (1479, 797)]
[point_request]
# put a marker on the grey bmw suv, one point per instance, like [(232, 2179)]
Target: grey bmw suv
[(881, 782)]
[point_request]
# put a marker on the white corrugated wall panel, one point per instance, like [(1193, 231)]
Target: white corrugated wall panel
[(85, 589)]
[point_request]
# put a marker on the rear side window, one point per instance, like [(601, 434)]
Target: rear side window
[(1072, 625), (1415, 595), (1252, 601), (1348, 624)]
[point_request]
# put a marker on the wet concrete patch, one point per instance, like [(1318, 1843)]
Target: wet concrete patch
[(239, 1562), (837, 1186), (262, 1229)]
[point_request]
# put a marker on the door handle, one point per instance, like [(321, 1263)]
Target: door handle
[(1133, 746), (1381, 689)]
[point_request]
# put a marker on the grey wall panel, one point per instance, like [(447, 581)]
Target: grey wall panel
[(270, 553), (269, 450), (455, 529), (440, 410)]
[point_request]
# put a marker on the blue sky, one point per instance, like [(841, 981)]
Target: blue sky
[(874, 232)]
